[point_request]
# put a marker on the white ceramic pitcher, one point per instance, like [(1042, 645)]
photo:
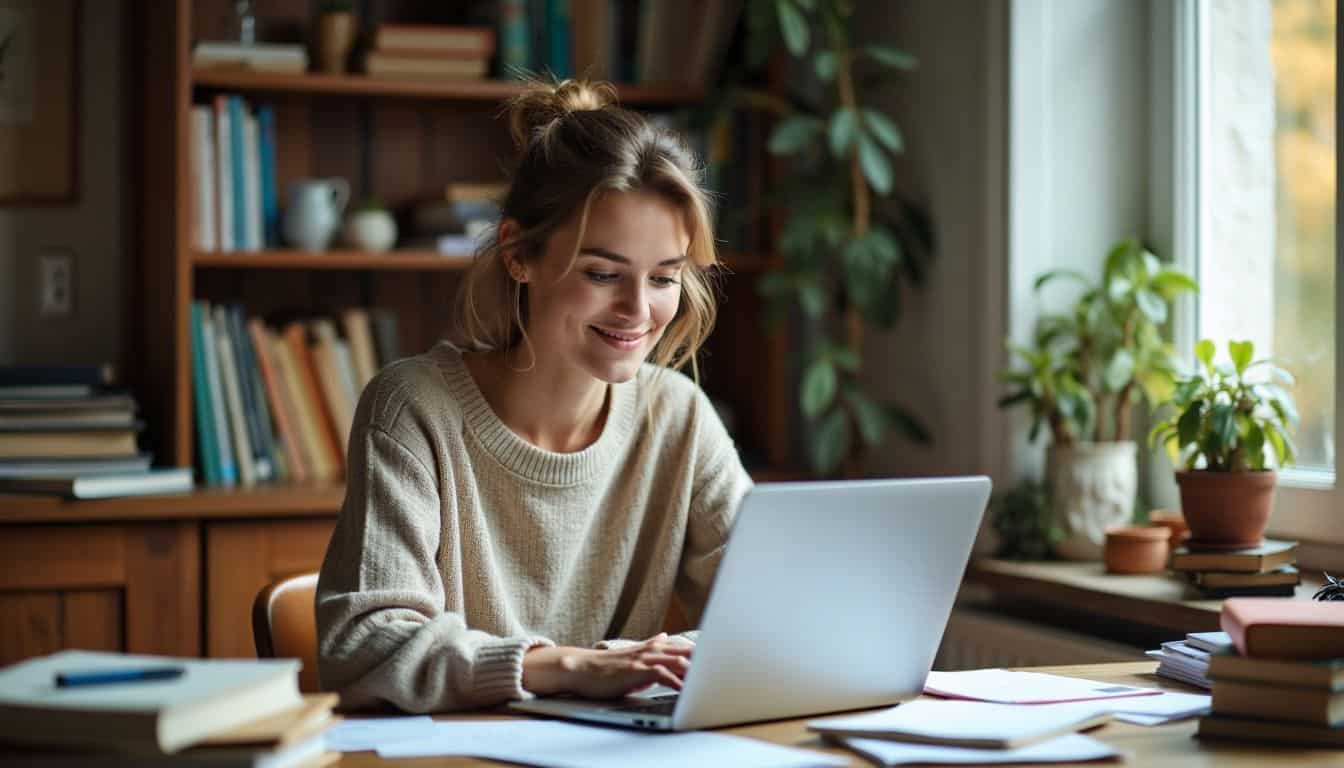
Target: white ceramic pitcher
[(314, 212)]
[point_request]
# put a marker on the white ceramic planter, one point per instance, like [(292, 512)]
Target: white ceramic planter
[(1092, 486), (371, 230)]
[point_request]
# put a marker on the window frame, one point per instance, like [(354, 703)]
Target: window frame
[(1307, 503)]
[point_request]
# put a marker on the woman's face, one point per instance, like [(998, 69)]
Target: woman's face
[(604, 314)]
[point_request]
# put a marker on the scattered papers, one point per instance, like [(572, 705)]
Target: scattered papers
[(364, 734), (1065, 749), (1004, 687), (966, 723), (563, 745), (1165, 707), (1182, 667)]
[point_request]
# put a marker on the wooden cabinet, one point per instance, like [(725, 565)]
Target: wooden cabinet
[(241, 557)]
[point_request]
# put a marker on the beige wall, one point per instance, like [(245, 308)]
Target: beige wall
[(91, 228)]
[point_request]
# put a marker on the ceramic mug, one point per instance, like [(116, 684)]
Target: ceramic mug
[(314, 212)]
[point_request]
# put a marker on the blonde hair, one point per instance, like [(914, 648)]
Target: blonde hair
[(575, 144)]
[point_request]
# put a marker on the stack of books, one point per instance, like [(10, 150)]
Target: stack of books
[(430, 51), (277, 403), (285, 58), (1285, 680), (460, 223), (92, 708), (1268, 570), (1188, 660), (65, 430)]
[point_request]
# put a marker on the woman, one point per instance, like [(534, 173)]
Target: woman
[(521, 499)]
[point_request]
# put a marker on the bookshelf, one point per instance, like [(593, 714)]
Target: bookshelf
[(398, 141)]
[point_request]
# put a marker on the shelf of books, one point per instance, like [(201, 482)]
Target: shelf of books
[(672, 94)]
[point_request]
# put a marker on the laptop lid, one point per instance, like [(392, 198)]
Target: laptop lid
[(830, 596)]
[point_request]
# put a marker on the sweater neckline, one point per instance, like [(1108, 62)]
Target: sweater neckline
[(524, 458)]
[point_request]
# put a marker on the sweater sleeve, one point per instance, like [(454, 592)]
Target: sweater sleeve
[(383, 634), (718, 487)]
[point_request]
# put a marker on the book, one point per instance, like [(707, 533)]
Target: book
[(313, 714), (255, 411), (202, 402), (514, 43), (223, 174), (558, 59), (84, 443), (1291, 629), (47, 421), (1269, 590), (592, 27), (384, 64), (162, 716), (1213, 642), (478, 41), (963, 724), (280, 408), (1278, 702), (1180, 666), (100, 401), (1327, 674), (236, 169), (73, 467), (714, 28), (262, 57), (203, 178), (355, 322), (310, 416), (1283, 575), (252, 181), (295, 336), (270, 204), (336, 395), (104, 486), (45, 392), (85, 376), (1268, 556), (1248, 729), (233, 402), (386, 337), (228, 470)]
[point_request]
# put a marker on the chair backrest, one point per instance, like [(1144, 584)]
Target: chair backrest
[(284, 624)]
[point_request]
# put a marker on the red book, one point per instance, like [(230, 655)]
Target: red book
[(1268, 627)]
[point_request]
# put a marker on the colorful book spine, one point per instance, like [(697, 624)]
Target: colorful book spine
[(558, 57), (514, 49), (233, 401), (224, 228), (228, 470), (254, 400), (200, 400), (281, 410), (238, 176), (270, 205)]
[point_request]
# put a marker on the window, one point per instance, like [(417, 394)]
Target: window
[(1259, 97)]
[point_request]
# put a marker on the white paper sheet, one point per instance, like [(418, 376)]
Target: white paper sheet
[(949, 719), (362, 734), (1065, 749), (564, 745), (1005, 687), (1165, 707)]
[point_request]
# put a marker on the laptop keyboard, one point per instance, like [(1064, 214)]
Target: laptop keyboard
[(655, 705)]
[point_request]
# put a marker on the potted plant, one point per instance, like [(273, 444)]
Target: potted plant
[(1230, 426), (1082, 376)]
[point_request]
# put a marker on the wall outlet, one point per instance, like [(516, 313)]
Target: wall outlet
[(57, 270)]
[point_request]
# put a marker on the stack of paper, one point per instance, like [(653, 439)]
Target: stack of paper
[(1188, 660)]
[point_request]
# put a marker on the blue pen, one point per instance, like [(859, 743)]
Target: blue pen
[(108, 676)]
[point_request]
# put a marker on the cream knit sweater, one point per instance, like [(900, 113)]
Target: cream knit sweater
[(460, 545)]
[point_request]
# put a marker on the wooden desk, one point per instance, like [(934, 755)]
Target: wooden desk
[(1160, 746)]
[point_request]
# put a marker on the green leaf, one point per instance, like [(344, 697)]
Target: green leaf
[(1117, 288), (1119, 370), (794, 134), (884, 130), (1009, 400), (891, 57), (1223, 423), (870, 416), (844, 126), (1055, 274), (1241, 353), (845, 359), (1205, 351), (812, 298), (1255, 445), (875, 165), (1279, 444), (826, 64), (793, 25), (818, 387), (1152, 306), (886, 249), (1169, 283), (908, 424), (1188, 425), (830, 442)]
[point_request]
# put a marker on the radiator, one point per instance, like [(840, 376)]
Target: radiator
[(978, 639)]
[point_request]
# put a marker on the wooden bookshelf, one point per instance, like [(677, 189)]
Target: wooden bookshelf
[(336, 259), (489, 91)]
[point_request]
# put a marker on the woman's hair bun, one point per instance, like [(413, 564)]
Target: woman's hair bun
[(541, 104)]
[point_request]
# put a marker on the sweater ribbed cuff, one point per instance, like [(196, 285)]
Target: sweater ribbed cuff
[(498, 668)]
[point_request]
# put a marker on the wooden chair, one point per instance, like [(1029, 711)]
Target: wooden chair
[(284, 624)]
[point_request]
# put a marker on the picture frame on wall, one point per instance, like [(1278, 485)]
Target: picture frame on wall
[(39, 79)]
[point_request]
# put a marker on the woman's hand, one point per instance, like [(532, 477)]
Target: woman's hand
[(610, 673)]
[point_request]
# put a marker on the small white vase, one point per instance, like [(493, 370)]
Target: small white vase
[(1092, 487), (371, 230), (314, 212)]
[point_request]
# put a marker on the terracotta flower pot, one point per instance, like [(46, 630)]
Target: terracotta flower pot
[(1226, 510), (1174, 522), (1137, 549)]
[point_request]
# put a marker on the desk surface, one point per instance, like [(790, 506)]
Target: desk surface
[(1163, 746)]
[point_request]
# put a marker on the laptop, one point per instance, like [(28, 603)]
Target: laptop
[(830, 596)]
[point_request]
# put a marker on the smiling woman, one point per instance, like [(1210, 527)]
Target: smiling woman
[(525, 496)]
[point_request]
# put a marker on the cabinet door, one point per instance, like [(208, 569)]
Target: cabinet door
[(121, 587), (241, 557)]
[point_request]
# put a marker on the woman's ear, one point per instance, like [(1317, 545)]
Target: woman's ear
[(508, 232)]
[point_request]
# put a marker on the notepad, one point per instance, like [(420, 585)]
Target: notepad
[(964, 723), (1004, 687), (1065, 749)]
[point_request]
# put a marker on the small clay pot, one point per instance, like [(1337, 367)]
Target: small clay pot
[(1174, 522), (1137, 548)]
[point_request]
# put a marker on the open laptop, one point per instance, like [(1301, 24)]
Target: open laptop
[(830, 596)]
